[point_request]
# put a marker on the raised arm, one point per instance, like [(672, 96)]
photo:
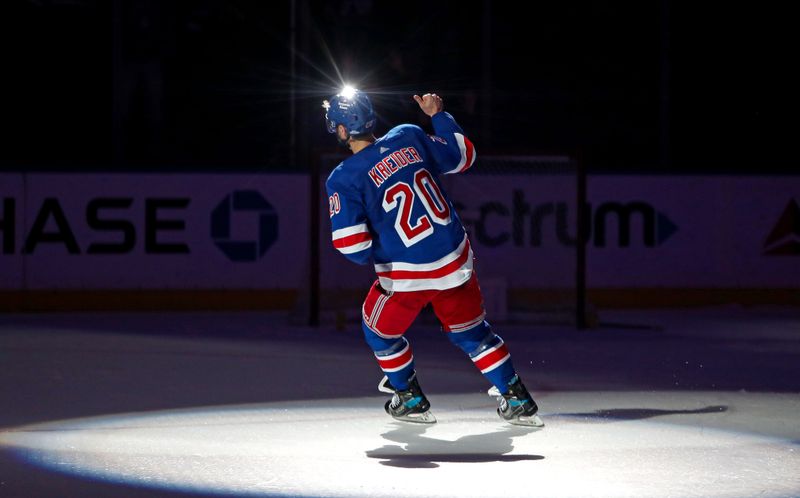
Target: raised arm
[(453, 151)]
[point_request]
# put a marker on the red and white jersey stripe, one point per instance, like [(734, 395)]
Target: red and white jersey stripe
[(463, 327), (371, 312), (352, 239), (445, 273), (397, 361), (492, 358), (468, 154)]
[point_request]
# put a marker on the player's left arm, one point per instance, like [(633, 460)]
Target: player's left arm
[(349, 227)]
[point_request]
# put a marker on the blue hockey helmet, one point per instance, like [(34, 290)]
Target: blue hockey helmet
[(352, 109)]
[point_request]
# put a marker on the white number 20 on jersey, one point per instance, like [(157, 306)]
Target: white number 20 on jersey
[(334, 204), (401, 194)]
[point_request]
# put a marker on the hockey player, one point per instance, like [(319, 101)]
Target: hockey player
[(386, 205)]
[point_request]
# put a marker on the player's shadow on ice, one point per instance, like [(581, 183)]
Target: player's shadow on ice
[(424, 452), (622, 414)]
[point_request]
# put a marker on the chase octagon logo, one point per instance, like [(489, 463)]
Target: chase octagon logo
[(242, 203)]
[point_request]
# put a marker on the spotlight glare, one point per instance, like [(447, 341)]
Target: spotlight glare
[(243, 450), (348, 91)]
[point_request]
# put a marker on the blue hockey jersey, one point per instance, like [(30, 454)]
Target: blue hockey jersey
[(386, 204)]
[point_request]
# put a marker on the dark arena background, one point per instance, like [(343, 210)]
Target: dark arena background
[(175, 322)]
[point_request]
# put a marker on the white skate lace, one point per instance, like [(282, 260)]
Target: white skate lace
[(395, 401)]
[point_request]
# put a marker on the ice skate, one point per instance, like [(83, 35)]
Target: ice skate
[(517, 406), (409, 405)]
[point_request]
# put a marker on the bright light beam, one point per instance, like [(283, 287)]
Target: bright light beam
[(268, 449), (347, 92)]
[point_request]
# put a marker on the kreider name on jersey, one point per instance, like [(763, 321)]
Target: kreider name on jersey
[(390, 164)]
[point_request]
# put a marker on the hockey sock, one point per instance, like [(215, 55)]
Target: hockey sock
[(394, 357), (488, 352)]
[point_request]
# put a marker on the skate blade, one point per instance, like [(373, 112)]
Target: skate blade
[(533, 421), (418, 418)]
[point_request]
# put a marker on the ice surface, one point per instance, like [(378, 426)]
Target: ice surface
[(689, 403)]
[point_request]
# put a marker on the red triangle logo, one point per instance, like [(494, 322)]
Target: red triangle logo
[(784, 238)]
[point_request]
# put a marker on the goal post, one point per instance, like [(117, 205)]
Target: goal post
[(526, 218)]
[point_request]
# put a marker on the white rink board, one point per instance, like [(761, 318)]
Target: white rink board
[(722, 225), (646, 231), (181, 207)]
